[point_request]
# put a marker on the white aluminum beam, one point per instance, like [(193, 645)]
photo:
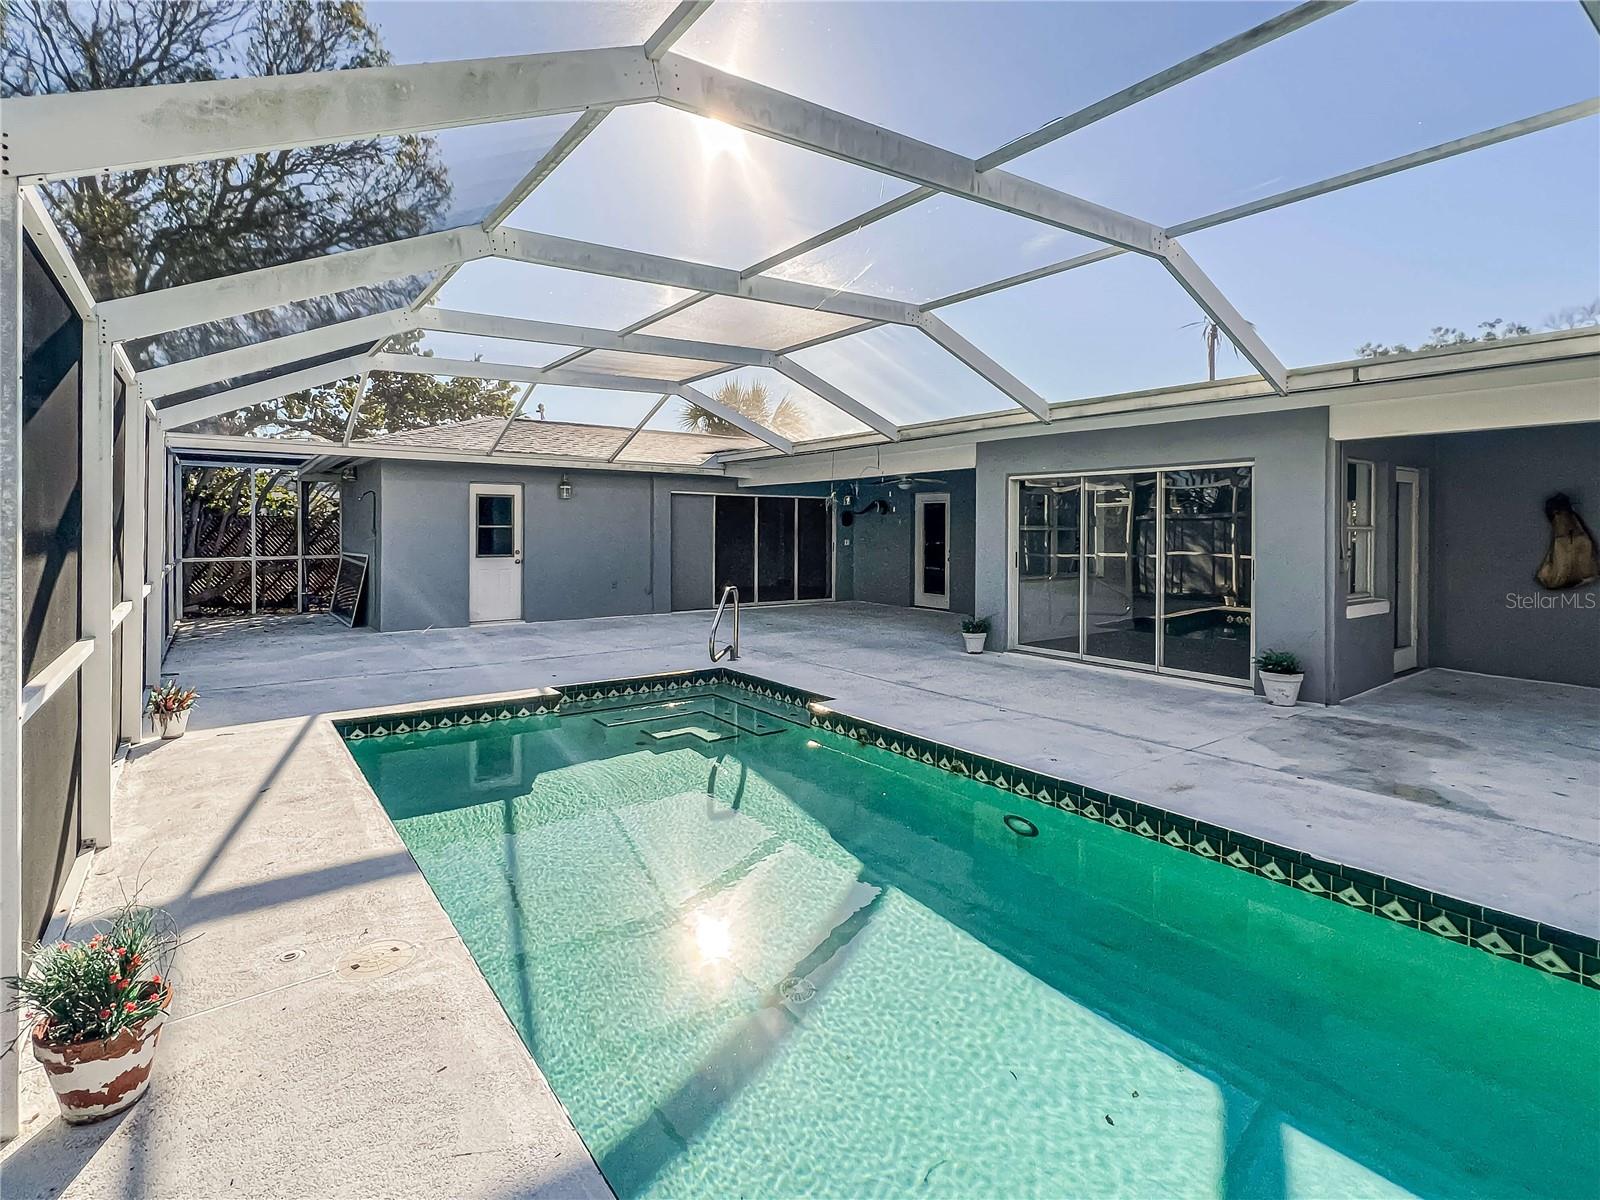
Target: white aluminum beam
[(635, 431), (569, 254), (719, 95), (677, 23), (155, 534), (85, 133), (674, 27), (1019, 393), (11, 681), (840, 399), (95, 602), (733, 417), (234, 399), (362, 384), (134, 427), (233, 295), (160, 382), (516, 410), (1211, 300), (1206, 60), (47, 240)]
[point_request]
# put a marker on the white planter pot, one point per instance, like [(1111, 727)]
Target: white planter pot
[(974, 642), (1282, 690), (176, 724)]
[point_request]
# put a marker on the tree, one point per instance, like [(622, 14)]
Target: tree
[(137, 231), (783, 415), (1440, 337)]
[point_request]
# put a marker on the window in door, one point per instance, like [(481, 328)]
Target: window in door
[(496, 526)]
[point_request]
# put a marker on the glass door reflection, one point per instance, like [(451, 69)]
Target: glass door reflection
[(1049, 563), (1206, 572), (1119, 594)]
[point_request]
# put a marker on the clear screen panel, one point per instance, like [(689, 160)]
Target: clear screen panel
[(512, 289), (643, 366), (1207, 571), (1120, 568), (773, 400), (247, 329), (965, 76), (667, 182), (737, 322), (140, 231), (976, 244), (482, 349), (904, 375), (1505, 234), (352, 353), (1365, 84), (1120, 325), (416, 31), (1049, 516), (440, 411)]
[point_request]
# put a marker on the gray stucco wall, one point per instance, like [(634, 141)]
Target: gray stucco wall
[(1485, 534), (1489, 537), (604, 552), (1292, 478), (1364, 645), (877, 553)]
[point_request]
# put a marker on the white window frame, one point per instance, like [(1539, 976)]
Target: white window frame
[(1359, 571)]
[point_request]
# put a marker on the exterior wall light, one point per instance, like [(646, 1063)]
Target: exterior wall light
[(564, 488)]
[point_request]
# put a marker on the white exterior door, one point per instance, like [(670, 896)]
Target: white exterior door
[(1407, 566), (494, 529), (931, 577)]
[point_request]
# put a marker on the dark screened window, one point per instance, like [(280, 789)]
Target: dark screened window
[(775, 547), (735, 550), (814, 540)]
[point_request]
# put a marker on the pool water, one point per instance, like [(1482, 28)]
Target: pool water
[(757, 960)]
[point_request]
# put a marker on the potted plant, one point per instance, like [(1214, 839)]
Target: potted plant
[(169, 706), (1281, 676), (974, 632), (96, 1008)]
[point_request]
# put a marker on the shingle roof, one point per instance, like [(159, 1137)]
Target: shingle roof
[(566, 439)]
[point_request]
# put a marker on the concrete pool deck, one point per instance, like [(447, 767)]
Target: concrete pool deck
[(331, 1036)]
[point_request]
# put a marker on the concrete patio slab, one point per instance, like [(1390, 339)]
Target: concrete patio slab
[(287, 1073)]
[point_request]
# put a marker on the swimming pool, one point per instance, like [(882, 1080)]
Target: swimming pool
[(758, 958)]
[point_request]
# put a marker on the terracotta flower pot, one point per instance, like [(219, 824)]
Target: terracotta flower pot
[(96, 1080)]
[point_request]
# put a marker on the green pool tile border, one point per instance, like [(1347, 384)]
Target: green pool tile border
[(1542, 947)]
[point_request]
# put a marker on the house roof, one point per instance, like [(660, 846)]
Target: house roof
[(566, 439)]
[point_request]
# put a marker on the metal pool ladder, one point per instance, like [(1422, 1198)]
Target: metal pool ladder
[(731, 650)]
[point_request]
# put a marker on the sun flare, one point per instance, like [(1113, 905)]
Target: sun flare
[(718, 140)]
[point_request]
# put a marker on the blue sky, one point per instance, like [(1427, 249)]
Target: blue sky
[(1512, 231)]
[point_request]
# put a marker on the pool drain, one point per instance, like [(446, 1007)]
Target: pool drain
[(796, 990), (289, 956), (1021, 826)]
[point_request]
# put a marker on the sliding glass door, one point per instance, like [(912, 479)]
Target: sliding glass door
[(774, 549), (1146, 569)]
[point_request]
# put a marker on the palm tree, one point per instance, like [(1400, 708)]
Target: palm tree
[(783, 415)]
